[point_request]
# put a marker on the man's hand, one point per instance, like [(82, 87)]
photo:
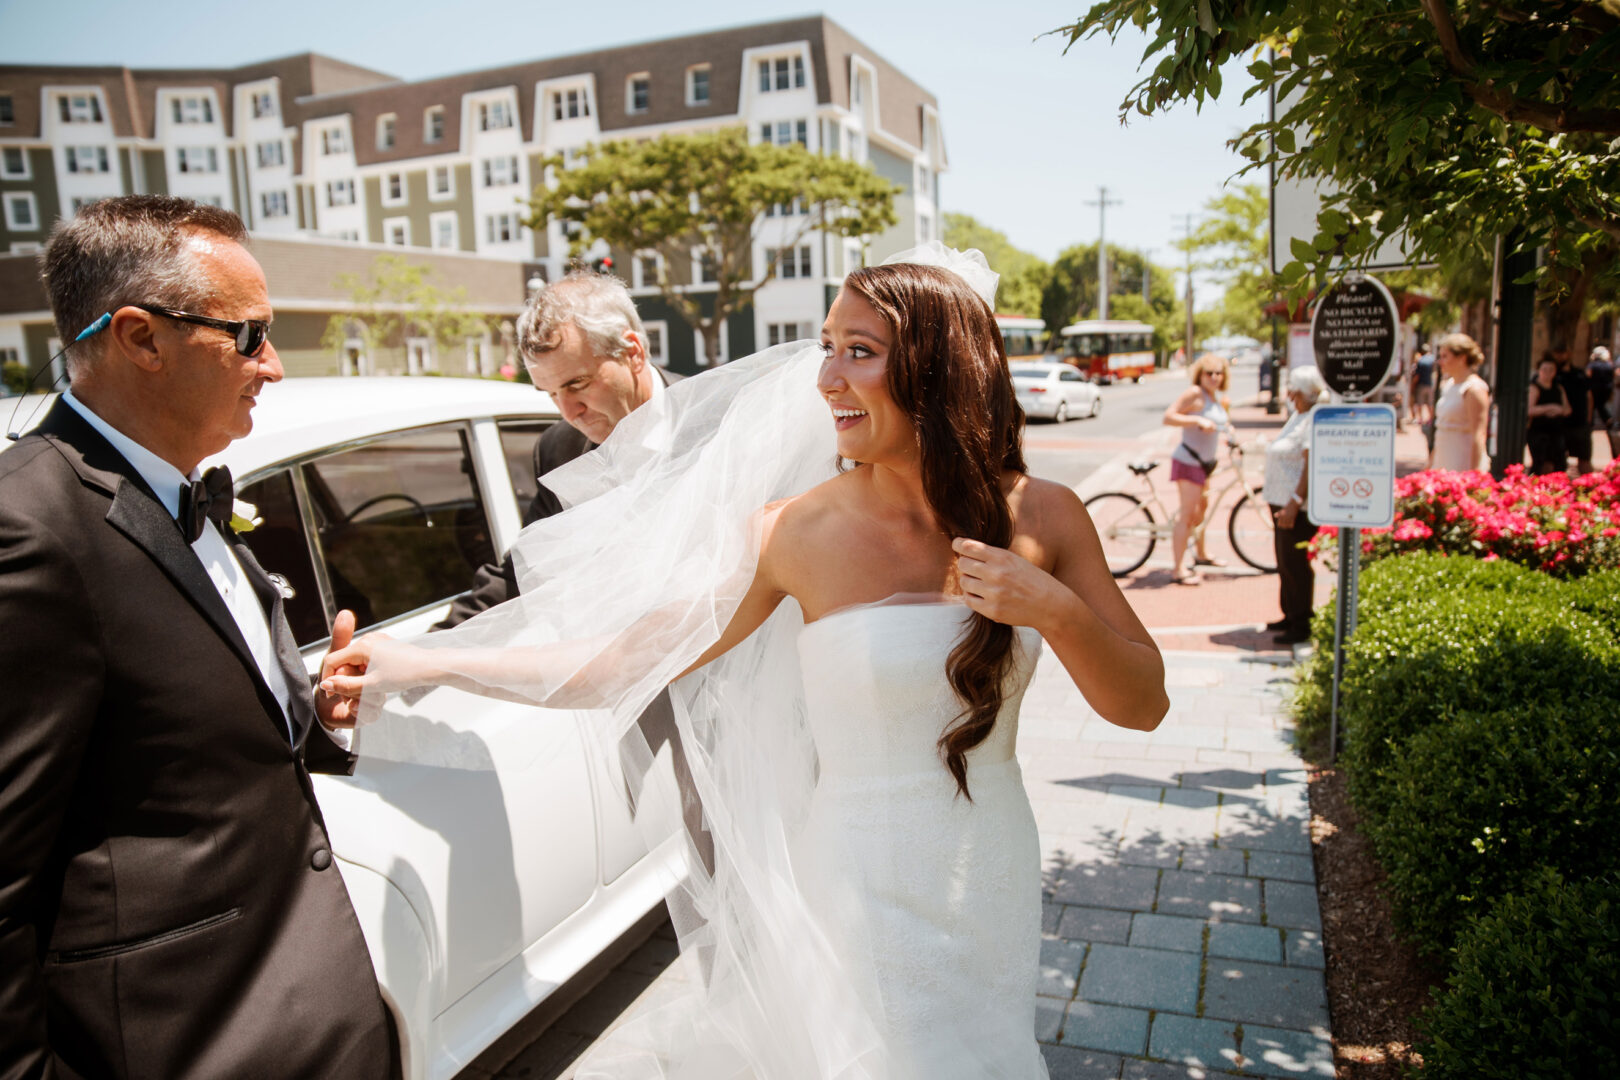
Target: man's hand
[(334, 710)]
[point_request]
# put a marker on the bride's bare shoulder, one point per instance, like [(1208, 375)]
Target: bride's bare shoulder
[(804, 517), (1042, 508)]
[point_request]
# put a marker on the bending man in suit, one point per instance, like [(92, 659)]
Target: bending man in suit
[(583, 343), (168, 903)]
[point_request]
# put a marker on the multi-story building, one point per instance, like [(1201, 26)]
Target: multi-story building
[(330, 164)]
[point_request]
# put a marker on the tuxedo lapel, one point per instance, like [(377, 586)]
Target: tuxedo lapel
[(300, 704)]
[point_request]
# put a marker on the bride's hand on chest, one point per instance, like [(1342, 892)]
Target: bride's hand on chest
[(1003, 585)]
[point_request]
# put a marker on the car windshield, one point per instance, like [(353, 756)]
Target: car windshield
[(1030, 371)]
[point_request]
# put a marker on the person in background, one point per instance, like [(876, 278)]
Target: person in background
[(1578, 422), (1200, 412), (1286, 486), (1422, 377), (1600, 372), (1549, 408), (1462, 409)]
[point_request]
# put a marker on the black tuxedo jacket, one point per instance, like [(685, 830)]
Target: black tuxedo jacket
[(168, 904)]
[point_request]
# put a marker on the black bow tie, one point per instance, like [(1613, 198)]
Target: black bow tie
[(210, 497)]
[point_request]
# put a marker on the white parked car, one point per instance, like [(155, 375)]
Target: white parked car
[(487, 846), (1055, 391)]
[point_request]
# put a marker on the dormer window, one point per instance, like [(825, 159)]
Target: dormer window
[(638, 93), (433, 124), (569, 104), (334, 140), (385, 131), (264, 104), (697, 84), (8, 111), (192, 109), (494, 115), (79, 108), (782, 73)]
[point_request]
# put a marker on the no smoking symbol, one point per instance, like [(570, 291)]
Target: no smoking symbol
[(1340, 487), (1364, 488)]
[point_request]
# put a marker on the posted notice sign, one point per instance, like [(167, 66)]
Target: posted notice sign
[(1352, 482)]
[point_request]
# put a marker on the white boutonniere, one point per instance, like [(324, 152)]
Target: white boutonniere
[(244, 516)]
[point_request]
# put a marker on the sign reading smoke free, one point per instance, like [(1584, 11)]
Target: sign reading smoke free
[(1352, 482), (1353, 335)]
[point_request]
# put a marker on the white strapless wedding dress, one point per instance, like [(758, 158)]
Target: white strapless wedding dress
[(935, 899)]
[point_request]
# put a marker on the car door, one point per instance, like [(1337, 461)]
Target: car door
[(479, 811), (1072, 385)]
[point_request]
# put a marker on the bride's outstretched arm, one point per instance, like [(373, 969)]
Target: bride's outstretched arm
[(580, 674), (1076, 607)]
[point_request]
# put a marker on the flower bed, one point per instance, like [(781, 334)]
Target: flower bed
[(1549, 523)]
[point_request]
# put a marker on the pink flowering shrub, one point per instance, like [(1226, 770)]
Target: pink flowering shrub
[(1550, 523)]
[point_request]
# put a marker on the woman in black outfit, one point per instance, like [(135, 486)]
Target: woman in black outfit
[(1548, 408)]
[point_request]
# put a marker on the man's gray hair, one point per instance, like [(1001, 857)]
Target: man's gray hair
[(1307, 380), (599, 304), (128, 250)]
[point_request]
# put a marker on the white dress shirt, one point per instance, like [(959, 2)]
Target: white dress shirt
[(211, 550)]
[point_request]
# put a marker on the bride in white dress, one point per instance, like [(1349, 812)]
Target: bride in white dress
[(846, 667)]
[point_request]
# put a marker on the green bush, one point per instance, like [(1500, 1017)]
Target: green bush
[(1533, 993), (1477, 806), (1598, 595), (14, 377)]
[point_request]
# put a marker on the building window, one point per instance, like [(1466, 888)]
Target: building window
[(501, 228), (87, 159), (925, 228), (271, 154), (397, 232), (264, 104), (784, 132), (441, 182), (494, 115), (196, 159), (14, 163), (782, 333), (657, 334), (500, 171), (351, 236), (79, 108), (340, 193), (569, 104), (334, 140), (21, 213), (637, 94), (273, 204), (80, 204), (385, 131), (393, 188), (443, 229), (792, 209), (791, 264), (854, 255), (8, 113), (27, 247), (708, 269), (783, 73), (697, 85), (433, 124), (646, 270), (192, 109)]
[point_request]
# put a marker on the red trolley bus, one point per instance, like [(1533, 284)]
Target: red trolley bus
[(1108, 349)]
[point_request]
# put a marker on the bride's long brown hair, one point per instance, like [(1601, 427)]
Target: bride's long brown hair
[(947, 370)]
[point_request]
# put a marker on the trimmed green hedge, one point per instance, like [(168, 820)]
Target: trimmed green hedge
[(1477, 806), (1534, 993)]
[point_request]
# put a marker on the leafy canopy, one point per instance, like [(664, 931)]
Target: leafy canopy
[(705, 197), (1023, 275), (400, 299), (1452, 122)]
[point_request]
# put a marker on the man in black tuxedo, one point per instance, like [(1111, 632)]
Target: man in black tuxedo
[(168, 901)]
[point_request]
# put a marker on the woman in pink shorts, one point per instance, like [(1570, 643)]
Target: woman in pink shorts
[(1200, 413)]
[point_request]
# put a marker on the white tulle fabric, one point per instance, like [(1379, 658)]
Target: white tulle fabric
[(861, 920)]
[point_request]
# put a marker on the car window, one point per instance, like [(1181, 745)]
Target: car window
[(400, 522), (517, 445), (1029, 371), (1070, 376), (279, 542)]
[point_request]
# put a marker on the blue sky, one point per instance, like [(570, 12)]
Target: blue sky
[(1031, 133)]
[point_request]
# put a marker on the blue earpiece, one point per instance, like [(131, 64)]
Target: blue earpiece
[(96, 327)]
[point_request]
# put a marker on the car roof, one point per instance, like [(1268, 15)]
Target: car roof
[(297, 417)]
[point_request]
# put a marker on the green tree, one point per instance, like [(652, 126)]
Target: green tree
[(705, 198), (1233, 241), (1447, 121), (1023, 275), (399, 299), (1071, 293)]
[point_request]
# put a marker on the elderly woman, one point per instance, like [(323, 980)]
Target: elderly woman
[(1463, 407), (1285, 489)]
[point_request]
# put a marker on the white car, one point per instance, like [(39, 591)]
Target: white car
[(1056, 392), (486, 846)]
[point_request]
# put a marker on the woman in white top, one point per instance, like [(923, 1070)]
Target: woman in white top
[(1285, 490), (1200, 413), (1461, 411)]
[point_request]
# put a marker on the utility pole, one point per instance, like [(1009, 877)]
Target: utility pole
[(1147, 271), (1186, 223), (1102, 202)]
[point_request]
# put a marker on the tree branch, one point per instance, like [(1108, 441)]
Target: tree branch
[(1612, 228), (1543, 115)]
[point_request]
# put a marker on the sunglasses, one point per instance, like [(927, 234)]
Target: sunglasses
[(251, 334)]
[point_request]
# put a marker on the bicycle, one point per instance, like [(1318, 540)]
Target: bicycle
[(1129, 531)]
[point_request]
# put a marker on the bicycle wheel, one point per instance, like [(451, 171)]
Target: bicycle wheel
[(1125, 528), (1252, 533)]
